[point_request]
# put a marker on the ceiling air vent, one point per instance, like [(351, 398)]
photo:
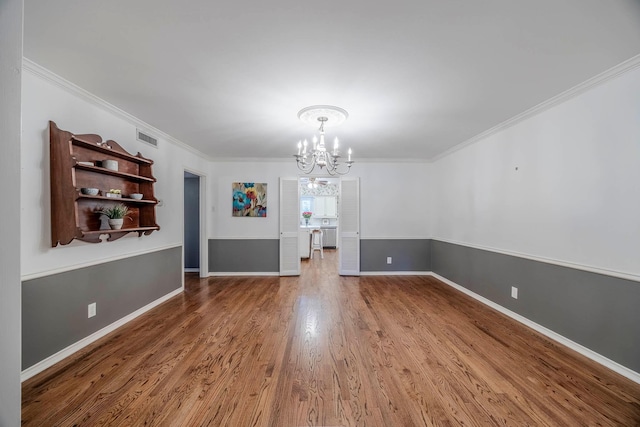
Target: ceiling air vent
[(141, 136)]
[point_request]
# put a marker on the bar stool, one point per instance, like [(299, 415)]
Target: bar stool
[(316, 242)]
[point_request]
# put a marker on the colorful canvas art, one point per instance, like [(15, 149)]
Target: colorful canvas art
[(249, 199)]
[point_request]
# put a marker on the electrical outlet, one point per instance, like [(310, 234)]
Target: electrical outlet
[(514, 292), (389, 260), (92, 309)]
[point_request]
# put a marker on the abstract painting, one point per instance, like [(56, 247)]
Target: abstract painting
[(249, 199)]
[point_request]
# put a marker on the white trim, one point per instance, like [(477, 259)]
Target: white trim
[(244, 237), (39, 274), (66, 352), (596, 357), (287, 160), (40, 71), (601, 78), (191, 270), (203, 241), (414, 237), (396, 273), (561, 263), (242, 273)]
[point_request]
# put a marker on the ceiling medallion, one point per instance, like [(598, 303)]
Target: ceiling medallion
[(309, 157)]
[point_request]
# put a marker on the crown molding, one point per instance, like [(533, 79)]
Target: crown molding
[(73, 89), (597, 80), (288, 160)]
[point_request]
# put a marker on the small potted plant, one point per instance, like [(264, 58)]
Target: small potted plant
[(114, 193), (116, 215)]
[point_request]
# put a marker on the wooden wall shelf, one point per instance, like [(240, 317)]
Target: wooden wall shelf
[(76, 164)]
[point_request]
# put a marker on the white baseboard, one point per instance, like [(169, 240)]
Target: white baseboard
[(192, 270), (608, 363), (395, 273), (242, 273), (66, 352)]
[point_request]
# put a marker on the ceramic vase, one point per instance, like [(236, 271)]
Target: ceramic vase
[(116, 223)]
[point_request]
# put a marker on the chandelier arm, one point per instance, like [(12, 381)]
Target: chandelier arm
[(304, 168)]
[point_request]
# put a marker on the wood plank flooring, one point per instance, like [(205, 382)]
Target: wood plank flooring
[(324, 350)]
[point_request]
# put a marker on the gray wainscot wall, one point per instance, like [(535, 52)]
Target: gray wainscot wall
[(408, 255), (244, 255), (54, 308), (597, 311)]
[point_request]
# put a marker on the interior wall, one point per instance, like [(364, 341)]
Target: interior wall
[(44, 100), (394, 199), (48, 97), (225, 226), (550, 206), (10, 87), (561, 185), (54, 308), (394, 207), (597, 311)]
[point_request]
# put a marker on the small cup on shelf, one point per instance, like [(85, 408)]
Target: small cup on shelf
[(136, 196)]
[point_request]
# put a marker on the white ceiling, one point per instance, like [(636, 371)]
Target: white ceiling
[(416, 76)]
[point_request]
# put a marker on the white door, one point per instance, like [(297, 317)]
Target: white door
[(289, 225), (349, 227)]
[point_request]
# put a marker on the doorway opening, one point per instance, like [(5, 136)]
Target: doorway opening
[(195, 257), (294, 235), (319, 221)]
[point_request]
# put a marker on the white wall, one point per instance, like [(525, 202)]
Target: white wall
[(224, 226), (563, 185), (10, 292), (47, 98), (394, 199)]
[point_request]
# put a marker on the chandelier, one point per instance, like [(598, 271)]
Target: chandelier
[(316, 154)]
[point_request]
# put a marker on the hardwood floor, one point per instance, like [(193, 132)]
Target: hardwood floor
[(324, 350)]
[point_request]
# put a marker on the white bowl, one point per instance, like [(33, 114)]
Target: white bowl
[(137, 196), (110, 164), (89, 191)]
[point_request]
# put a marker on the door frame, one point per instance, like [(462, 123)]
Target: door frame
[(340, 202), (202, 211)]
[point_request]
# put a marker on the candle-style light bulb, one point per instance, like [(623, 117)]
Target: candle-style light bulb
[(299, 147), (335, 146), (304, 150), (349, 155)]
